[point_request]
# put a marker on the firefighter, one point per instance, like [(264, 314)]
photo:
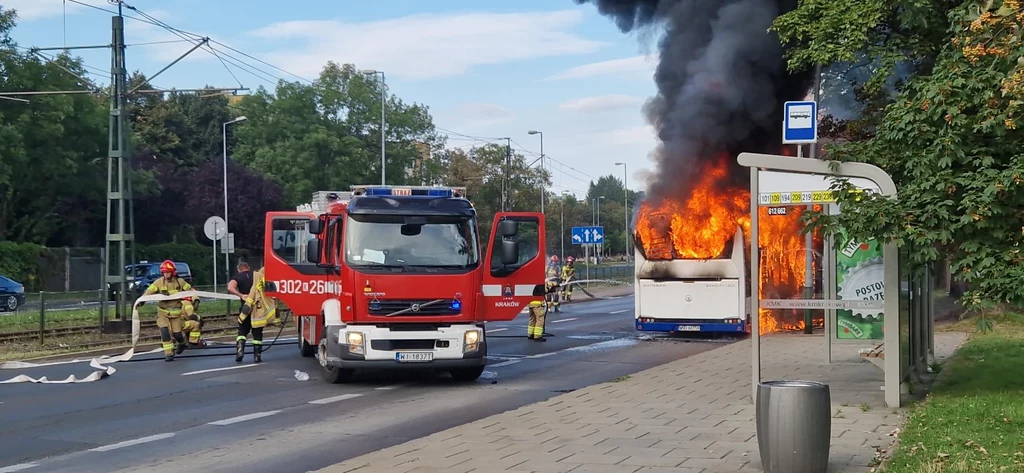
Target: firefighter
[(568, 273), (169, 313), (553, 264), (256, 312), (552, 289), (539, 310)]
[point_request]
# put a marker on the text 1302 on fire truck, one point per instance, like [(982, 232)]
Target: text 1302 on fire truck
[(392, 277)]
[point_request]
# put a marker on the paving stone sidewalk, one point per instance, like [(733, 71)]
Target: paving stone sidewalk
[(692, 415)]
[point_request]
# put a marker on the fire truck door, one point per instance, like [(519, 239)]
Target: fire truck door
[(515, 273), (300, 284)]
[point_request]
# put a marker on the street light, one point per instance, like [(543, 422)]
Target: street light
[(227, 256), (597, 209), (383, 124), (542, 186), (625, 207), (561, 224)]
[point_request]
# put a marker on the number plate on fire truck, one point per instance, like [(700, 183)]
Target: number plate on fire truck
[(414, 357), (688, 328)]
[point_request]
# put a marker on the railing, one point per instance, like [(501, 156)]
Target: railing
[(74, 318)]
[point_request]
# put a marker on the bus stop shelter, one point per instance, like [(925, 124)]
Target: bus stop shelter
[(907, 326)]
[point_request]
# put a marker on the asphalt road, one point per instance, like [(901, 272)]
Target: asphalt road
[(210, 414)]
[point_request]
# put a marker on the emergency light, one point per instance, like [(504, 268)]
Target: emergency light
[(417, 191), (456, 305)]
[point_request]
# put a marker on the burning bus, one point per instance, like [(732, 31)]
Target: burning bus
[(692, 259)]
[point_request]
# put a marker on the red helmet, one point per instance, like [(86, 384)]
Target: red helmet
[(168, 267), (569, 259)]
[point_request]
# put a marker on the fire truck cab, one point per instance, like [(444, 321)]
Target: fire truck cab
[(393, 277)]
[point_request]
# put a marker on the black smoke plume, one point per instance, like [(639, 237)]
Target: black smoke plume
[(721, 83)]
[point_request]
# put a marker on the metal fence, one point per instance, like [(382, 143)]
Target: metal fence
[(74, 318), (617, 272), (71, 269)]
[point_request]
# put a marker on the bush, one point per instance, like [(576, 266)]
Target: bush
[(20, 262)]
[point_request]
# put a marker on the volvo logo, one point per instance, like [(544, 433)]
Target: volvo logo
[(689, 299), (415, 308)]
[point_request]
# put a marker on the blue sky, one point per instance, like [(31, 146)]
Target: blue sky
[(486, 69)]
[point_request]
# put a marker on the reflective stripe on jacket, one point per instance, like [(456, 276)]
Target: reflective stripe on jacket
[(170, 287), (264, 308)]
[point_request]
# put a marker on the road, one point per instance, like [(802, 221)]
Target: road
[(210, 414)]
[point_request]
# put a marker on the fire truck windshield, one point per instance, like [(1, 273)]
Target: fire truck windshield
[(413, 243)]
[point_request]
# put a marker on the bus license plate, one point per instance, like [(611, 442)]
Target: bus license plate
[(414, 357), (688, 328)]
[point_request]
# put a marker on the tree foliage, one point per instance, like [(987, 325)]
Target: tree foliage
[(950, 139)]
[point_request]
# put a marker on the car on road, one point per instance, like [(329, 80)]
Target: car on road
[(143, 274), (12, 294)]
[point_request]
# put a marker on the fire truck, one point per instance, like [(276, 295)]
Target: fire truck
[(393, 277)]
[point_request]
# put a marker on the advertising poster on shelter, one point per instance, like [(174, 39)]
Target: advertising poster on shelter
[(860, 273)]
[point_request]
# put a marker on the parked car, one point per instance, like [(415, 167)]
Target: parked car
[(143, 274), (12, 294)]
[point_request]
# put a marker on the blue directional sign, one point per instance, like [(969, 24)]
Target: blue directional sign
[(800, 123), (587, 235)]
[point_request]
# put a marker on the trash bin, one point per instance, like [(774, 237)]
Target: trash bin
[(794, 426)]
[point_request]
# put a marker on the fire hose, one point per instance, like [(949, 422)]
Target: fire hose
[(101, 365)]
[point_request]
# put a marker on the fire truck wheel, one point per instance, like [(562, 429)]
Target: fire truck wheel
[(332, 374), (467, 374), (305, 348)]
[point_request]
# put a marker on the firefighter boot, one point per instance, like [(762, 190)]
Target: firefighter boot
[(239, 350), (257, 352)]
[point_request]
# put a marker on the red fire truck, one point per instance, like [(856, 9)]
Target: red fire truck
[(389, 277)]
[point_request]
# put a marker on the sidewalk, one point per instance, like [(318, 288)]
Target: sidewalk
[(693, 415)]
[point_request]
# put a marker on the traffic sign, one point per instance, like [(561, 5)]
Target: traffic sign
[(800, 123), (228, 243), (587, 235), (215, 228)]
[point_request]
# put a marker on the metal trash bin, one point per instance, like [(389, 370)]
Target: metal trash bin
[(794, 426)]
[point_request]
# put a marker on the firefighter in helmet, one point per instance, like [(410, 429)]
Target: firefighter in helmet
[(170, 314), (193, 326), (568, 273), (552, 286), (256, 313)]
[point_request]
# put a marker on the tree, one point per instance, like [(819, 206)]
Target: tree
[(950, 139), (326, 136), (52, 169), (250, 197)]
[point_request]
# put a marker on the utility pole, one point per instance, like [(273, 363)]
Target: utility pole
[(625, 208), (119, 232), (543, 186), (809, 237), (504, 174)]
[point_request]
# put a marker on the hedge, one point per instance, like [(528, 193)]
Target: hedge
[(32, 264)]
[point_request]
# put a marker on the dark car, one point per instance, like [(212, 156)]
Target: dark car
[(12, 294), (143, 274)]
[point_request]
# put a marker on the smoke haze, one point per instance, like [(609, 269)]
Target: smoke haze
[(721, 83)]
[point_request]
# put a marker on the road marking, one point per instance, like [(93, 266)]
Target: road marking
[(335, 399), (18, 467), (497, 330), (542, 355), (620, 311), (235, 420), (504, 363), (129, 443), (213, 370), (389, 388), (564, 320)]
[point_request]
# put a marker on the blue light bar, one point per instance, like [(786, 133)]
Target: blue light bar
[(418, 191)]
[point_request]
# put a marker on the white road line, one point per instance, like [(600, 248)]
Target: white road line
[(129, 443), (620, 311), (542, 355), (389, 388), (235, 420), (18, 467), (564, 320), (497, 330), (504, 363), (329, 400), (213, 370)]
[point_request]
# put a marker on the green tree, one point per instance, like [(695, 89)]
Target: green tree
[(950, 139), (326, 135), (52, 153)]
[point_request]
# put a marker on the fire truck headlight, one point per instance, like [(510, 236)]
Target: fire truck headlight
[(471, 341), (355, 342)]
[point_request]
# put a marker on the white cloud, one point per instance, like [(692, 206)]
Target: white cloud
[(643, 134), (428, 45), (29, 10), (476, 115), (601, 103), (630, 65)]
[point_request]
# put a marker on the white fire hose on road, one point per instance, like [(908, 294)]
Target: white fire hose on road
[(100, 365)]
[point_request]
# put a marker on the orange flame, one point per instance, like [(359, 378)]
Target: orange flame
[(703, 226)]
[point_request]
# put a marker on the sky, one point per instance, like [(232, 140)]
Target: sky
[(486, 69)]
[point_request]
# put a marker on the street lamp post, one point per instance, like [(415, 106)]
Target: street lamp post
[(543, 187), (561, 224), (227, 256), (383, 124), (597, 210), (625, 207)]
